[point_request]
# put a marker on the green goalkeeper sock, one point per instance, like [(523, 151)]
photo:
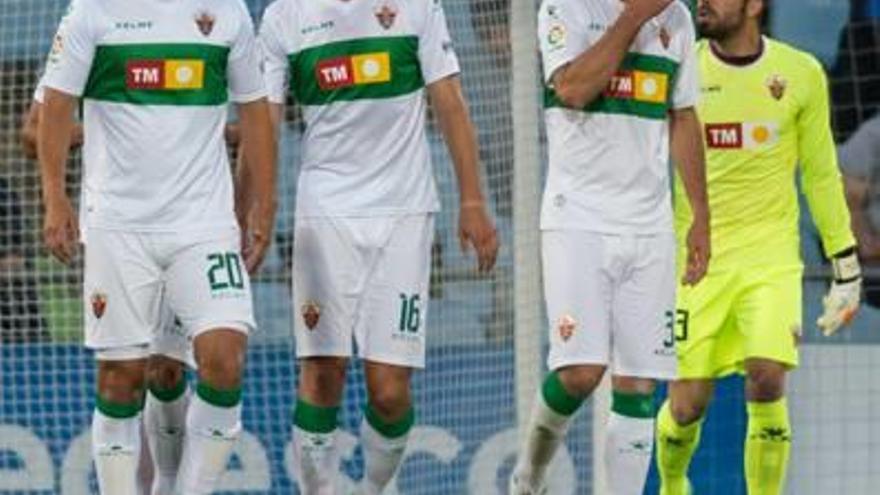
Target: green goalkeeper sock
[(768, 442), (676, 445)]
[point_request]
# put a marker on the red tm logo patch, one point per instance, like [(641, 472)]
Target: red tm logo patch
[(620, 86), (335, 73), (145, 74), (724, 136)]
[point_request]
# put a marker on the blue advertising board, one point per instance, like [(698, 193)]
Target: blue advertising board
[(465, 441)]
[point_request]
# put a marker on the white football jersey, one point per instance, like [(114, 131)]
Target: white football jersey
[(155, 77), (359, 71), (609, 161)]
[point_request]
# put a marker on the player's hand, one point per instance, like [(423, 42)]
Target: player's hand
[(698, 251), (643, 10), (256, 234), (476, 229), (842, 302), (61, 229), (76, 136)]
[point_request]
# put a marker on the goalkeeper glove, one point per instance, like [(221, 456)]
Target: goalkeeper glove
[(842, 301)]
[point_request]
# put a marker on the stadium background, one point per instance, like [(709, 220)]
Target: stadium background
[(467, 401)]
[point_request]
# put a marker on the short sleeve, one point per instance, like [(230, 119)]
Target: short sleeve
[(436, 53), (243, 71), (73, 49), (276, 70), (561, 36), (687, 85), (39, 92), (860, 155)]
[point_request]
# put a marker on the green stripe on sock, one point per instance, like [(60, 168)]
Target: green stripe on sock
[(116, 410), (169, 394), (395, 429), (557, 398), (219, 398), (633, 405), (314, 419)]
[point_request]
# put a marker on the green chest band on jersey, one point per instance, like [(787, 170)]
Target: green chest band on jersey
[(180, 74), (641, 87), (358, 69)]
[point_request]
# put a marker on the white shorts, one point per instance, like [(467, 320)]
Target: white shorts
[(172, 340), (363, 278), (611, 301), (135, 284)]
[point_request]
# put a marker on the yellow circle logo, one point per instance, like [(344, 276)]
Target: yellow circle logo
[(760, 134)]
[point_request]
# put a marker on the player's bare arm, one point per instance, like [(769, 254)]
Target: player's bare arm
[(857, 196), (54, 133), (689, 157), (256, 181), (29, 131), (475, 228), (581, 81)]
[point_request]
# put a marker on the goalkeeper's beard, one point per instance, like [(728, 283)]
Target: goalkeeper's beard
[(715, 28)]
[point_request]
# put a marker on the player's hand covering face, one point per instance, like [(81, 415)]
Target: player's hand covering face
[(698, 252), (842, 302), (646, 9), (476, 229)]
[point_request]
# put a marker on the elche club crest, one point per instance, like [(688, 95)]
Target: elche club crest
[(776, 84), (311, 313), (205, 22), (385, 12), (99, 304), (665, 37), (566, 327)]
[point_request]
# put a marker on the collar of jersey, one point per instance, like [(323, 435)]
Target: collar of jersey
[(740, 62)]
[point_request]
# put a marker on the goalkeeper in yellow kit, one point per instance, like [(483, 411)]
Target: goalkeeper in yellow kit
[(764, 109)]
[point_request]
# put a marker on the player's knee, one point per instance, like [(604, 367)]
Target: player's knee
[(686, 412), (322, 379), (221, 370), (164, 373), (121, 382), (765, 384), (391, 401), (580, 381)]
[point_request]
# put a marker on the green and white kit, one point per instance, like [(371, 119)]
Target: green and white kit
[(157, 202), (366, 192)]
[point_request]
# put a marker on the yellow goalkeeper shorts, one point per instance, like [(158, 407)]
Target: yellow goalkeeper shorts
[(735, 315)]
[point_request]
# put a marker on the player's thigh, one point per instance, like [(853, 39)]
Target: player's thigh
[(122, 290), (171, 340), (327, 285), (207, 286), (769, 314), (577, 293), (390, 326), (707, 341), (643, 311)]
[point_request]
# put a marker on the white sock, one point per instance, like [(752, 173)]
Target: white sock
[(546, 431), (382, 456), (211, 433), (628, 445), (165, 424), (315, 462), (116, 446)]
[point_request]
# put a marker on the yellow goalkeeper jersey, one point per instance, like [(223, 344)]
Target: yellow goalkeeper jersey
[(761, 122)]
